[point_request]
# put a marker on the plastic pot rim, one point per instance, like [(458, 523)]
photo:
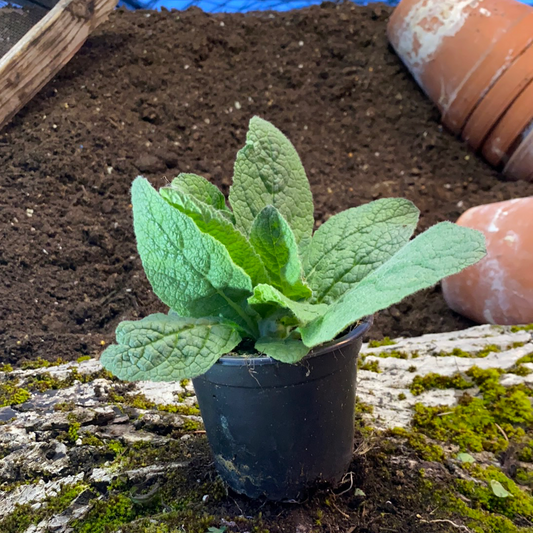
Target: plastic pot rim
[(359, 330)]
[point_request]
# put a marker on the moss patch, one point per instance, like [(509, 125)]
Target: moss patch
[(436, 381), (371, 366), (11, 393), (479, 424), (386, 341), (516, 329)]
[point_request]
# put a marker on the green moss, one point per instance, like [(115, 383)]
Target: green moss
[(19, 520), (457, 352), (92, 440), (185, 382), (363, 408), (412, 368), (72, 433), (481, 521), (401, 396), (491, 348), (526, 359), (191, 425), (41, 363), (479, 424), (397, 354), (24, 516), (65, 406), (108, 515), (514, 345), (140, 401), (426, 450), (188, 410), (83, 358), (520, 370), (516, 329), (11, 393), (386, 341), (372, 366), (6, 367), (519, 504), (524, 477), (436, 381), (116, 447), (526, 453)]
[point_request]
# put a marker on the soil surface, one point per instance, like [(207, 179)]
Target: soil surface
[(160, 93)]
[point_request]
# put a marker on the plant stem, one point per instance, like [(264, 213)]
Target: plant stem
[(253, 329)]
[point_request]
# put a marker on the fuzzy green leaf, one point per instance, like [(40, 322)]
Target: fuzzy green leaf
[(498, 489), (202, 190), (189, 270), (212, 221), (441, 251), (303, 311), (167, 347), (274, 242), (355, 242), (268, 171), (289, 350)]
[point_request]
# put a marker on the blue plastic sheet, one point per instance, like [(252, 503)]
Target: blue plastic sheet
[(242, 6)]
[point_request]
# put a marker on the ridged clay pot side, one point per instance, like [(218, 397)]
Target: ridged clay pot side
[(497, 101), (520, 165), (443, 42), (491, 69), (498, 289), (506, 133)]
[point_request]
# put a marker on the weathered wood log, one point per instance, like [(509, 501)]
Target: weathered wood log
[(45, 49), (48, 435)]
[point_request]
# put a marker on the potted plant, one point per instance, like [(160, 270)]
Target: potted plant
[(268, 317)]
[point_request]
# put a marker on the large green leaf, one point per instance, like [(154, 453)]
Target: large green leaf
[(268, 171), (167, 347), (202, 190), (355, 242), (441, 251), (289, 350), (303, 311), (212, 221), (274, 242), (189, 270)]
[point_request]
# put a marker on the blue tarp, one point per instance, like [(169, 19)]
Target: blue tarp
[(232, 6)]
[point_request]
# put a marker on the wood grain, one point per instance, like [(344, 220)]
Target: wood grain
[(45, 49)]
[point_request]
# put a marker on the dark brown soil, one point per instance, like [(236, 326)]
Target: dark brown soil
[(156, 93)]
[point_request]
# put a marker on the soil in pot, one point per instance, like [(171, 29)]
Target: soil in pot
[(158, 93)]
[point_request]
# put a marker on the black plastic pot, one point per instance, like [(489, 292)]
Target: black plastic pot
[(277, 429)]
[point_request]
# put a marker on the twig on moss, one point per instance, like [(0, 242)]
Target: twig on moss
[(502, 432), (445, 521)]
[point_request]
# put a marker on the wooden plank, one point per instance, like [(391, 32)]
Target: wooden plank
[(45, 49)]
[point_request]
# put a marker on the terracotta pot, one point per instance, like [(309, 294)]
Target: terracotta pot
[(520, 166), (499, 98), (507, 131), (498, 289), (444, 43)]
